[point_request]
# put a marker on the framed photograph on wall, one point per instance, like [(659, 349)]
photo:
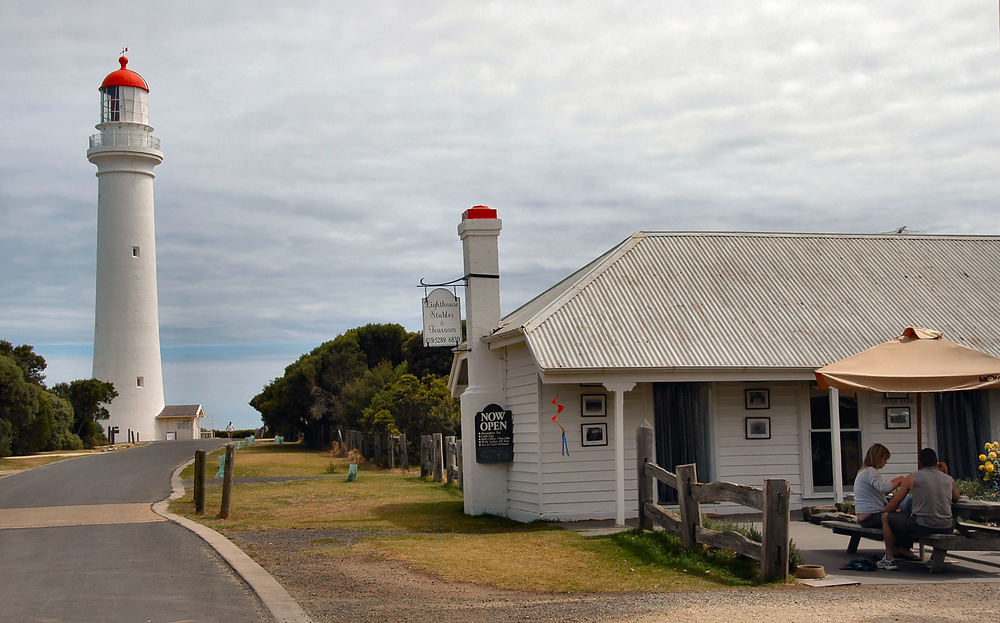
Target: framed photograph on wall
[(593, 405), (594, 434), (897, 417), (758, 427), (758, 399)]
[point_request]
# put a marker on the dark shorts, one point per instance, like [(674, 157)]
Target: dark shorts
[(905, 524), (872, 521)]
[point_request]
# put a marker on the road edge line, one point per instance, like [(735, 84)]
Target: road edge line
[(273, 595)]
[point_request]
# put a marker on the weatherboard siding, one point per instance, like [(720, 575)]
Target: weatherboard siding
[(522, 399), (582, 484), (751, 461)]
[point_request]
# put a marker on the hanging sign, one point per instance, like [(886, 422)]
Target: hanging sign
[(494, 435), (442, 319)]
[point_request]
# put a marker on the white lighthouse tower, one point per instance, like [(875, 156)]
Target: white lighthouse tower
[(127, 327)]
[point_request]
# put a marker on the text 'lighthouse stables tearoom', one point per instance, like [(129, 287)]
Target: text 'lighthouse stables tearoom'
[(713, 338)]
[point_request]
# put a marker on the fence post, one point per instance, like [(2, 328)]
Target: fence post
[(774, 537), (461, 474), (404, 458), (391, 446), (426, 455), (438, 466), (449, 458), (647, 484), (227, 481), (199, 482), (690, 510)]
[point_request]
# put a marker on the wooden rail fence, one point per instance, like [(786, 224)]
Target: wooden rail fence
[(773, 500)]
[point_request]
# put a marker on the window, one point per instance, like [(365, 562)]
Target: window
[(821, 444), (135, 251), (139, 381)]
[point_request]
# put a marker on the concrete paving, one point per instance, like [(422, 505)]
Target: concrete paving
[(820, 546), (79, 542)]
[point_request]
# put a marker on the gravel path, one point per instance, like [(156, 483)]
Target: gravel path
[(334, 590)]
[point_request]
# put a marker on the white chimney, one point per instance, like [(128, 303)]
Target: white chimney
[(485, 484)]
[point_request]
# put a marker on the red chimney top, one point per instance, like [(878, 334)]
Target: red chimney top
[(479, 212)]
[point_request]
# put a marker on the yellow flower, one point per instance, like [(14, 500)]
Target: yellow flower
[(989, 467), (996, 445), (982, 467), (982, 457), (992, 455), (988, 446)]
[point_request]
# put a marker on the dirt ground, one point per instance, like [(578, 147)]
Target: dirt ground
[(332, 590)]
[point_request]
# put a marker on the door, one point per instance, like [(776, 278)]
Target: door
[(683, 431), (963, 426)]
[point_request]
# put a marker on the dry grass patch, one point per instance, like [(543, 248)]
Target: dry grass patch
[(537, 560), (21, 463), (270, 459)]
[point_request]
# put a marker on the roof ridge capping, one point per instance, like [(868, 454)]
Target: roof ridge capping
[(785, 234)]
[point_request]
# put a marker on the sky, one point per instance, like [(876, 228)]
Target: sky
[(318, 155)]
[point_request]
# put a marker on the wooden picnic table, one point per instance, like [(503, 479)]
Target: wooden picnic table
[(969, 537)]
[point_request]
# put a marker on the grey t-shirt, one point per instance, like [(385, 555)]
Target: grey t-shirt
[(932, 498), (869, 491)]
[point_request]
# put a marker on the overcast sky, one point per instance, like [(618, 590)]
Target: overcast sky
[(318, 156)]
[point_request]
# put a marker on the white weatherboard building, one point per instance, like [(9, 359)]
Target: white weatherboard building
[(713, 338), (126, 328)]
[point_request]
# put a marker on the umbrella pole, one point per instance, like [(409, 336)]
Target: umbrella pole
[(920, 436)]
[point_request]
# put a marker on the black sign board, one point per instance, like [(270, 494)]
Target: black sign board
[(494, 435)]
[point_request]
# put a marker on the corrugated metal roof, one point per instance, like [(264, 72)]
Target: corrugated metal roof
[(180, 411), (662, 300)]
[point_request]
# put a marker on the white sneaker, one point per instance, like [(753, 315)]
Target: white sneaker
[(888, 565)]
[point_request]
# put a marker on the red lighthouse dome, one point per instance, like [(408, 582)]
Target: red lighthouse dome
[(124, 77)]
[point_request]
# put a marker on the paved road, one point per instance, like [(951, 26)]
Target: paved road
[(79, 543)]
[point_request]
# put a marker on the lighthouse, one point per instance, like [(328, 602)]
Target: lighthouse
[(126, 322)]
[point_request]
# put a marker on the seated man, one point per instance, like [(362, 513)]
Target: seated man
[(933, 492)]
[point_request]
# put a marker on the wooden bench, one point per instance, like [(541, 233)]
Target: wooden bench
[(972, 538)]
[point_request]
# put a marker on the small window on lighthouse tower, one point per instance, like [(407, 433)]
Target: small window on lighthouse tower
[(138, 381), (135, 251)]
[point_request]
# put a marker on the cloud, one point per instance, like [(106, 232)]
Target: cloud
[(318, 157)]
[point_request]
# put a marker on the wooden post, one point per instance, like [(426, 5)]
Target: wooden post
[(647, 484), (449, 460), (227, 481), (774, 546), (461, 474), (438, 465), (690, 510), (199, 482), (404, 458), (391, 447), (426, 455)]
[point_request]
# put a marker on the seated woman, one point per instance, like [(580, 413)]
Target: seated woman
[(870, 487)]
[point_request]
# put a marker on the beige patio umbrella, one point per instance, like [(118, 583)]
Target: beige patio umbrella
[(919, 360)]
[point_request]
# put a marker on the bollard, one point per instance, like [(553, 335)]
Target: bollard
[(199, 482), (403, 458), (352, 472), (227, 481)]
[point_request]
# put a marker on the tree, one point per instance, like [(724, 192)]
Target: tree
[(423, 360), (88, 398), (17, 404), (31, 363), (417, 406), (381, 342)]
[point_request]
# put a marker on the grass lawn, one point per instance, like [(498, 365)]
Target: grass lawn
[(422, 525)]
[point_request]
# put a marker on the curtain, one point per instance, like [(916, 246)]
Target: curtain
[(683, 432), (963, 426)]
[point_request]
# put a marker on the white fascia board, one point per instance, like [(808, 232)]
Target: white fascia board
[(676, 375)]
